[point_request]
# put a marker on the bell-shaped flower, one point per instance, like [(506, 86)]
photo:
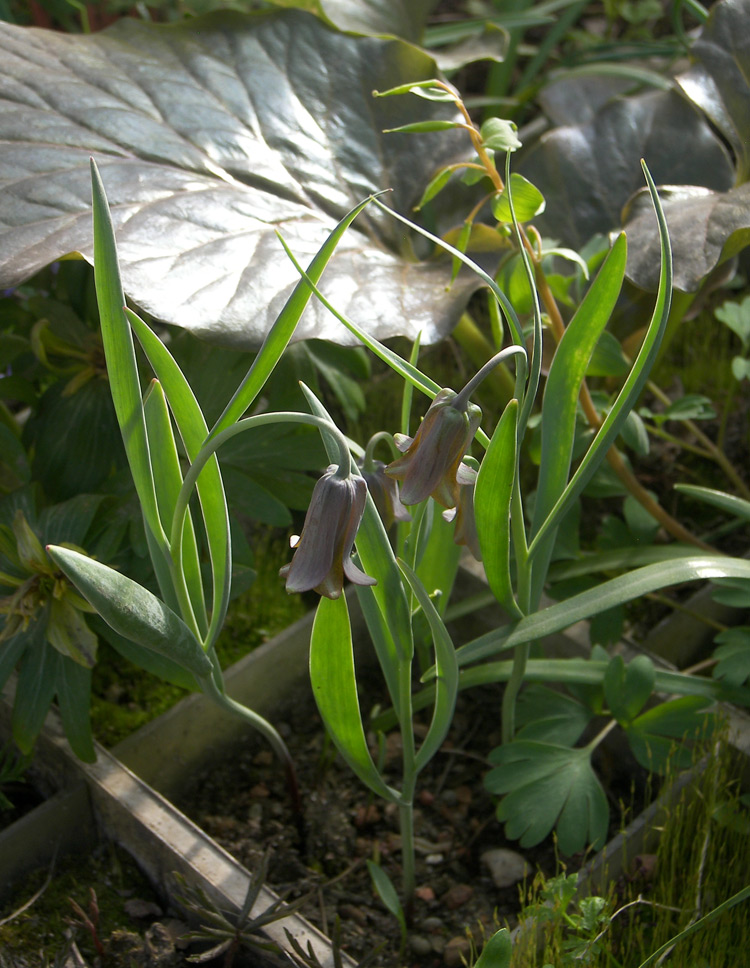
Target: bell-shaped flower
[(465, 530), (322, 556), (384, 492), (431, 465)]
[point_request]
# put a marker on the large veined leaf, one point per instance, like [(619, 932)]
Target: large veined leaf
[(404, 18), (706, 229), (210, 136), (719, 80), (588, 171)]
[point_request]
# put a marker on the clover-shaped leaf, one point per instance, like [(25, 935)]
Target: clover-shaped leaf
[(545, 715), (733, 655), (656, 736), (627, 688), (546, 787), (211, 136)]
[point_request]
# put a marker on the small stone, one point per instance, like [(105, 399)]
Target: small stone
[(354, 913), (457, 896), (434, 859), (160, 946), (437, 943), (426, 798), (425, 893), (506, 867), (263, 758), (420, 946), (432, 923), (456, 952), (366, 815), (259, 792), (136, 907), (126, 946), (178, 931)]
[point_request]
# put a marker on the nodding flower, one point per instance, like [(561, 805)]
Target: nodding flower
[(322, 556), (384, 492), (432, 462)]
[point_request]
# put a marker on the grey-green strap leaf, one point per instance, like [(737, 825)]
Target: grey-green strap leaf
[(446, 669), (334, 686), (132, 610)]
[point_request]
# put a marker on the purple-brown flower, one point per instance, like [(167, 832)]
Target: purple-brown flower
[(384, 492), (322, 557), (431, 465), (465, 531)]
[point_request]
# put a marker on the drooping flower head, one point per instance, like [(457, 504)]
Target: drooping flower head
[(431, 465), (322, 556), (383, 490), (465, 530)]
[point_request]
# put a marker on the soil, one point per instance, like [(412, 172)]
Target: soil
[(244, 805)]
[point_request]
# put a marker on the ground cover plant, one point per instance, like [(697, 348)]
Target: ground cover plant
[(518, 522)]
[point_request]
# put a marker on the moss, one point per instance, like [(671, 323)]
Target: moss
[(39, 933)]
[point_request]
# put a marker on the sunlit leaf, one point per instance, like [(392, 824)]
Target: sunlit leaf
[(549, 787), (211, 134)]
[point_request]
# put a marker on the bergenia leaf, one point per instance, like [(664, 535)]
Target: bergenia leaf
[(718, 81), (546, 787), (211, 134), (588, 171)]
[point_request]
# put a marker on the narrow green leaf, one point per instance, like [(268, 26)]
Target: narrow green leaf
[(736, 506), (34, 692), (387, 892), (154, 663), (492, 498), (193, 430), (566, 375), (446, 673), (334, 685), (428, 89), (12, 649), (624, 588), (119, 352), (168, 482), (283, 328), (628, 395), (434, 187), (73, 686), (419, 127), (132, 610)]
